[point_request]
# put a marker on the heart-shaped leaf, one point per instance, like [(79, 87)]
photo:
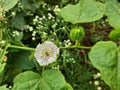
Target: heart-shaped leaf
[(50, 80), (112, 12), (8, 4), (84, 11), (105, 56)]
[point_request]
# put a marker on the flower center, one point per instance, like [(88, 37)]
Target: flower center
[(47, 53)]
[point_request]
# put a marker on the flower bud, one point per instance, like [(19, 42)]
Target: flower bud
[(115, 35), (77, 34)]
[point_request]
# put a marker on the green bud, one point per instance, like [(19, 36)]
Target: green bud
[(77, 34), (115, 35)]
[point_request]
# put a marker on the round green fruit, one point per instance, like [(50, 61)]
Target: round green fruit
[(77, 34)]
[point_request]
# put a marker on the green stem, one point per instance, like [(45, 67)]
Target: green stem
[(33, 49), (37, 66), (0, 31), (43, 68), (21, 47), (84, 55), (76, 43), (0, 34), (93, 28), (76, 47)]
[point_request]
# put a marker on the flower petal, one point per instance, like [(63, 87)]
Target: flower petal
[(46, 53)]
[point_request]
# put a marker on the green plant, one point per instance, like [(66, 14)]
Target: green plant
[(105, 57), (25, 24), (114, 35), (77, 34)]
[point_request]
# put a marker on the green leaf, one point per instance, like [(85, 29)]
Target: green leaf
[(112, 12), (9, 4), (19, 37), (17, 42), (52, 77), (21, 60), (50, 80), (115, 35), (84, 11), (27, 5), (105, 56), (3, 87), (6, 35), (67, 87), (18, 21)]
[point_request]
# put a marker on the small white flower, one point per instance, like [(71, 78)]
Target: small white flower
[(16, 33), (56, 9), (43, 17), (96, 83), (13, 14), (10, 87), (33, 38), (2, 42), (98, 74), (30, 28), (35, 21), (50, 16), (34, 33), (46, 53), (36, 17), (90, 82), (99, 88)]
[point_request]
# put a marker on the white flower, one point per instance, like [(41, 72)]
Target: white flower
[(34, 33), (50, 16), (98, 74), (99, 88), (2, 42), (56, 9), (30, 28), (96, 83), (33, 38), (46, 53), (13, 14)]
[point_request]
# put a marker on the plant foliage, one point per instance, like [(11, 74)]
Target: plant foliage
[(86, 32)]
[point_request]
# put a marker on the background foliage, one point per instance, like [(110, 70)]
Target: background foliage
[(90, 63)]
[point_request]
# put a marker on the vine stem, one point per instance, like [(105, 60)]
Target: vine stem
[(76, 43), (43, 68), (0, 31), (76, 47), (33, 49), (21, 47)]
